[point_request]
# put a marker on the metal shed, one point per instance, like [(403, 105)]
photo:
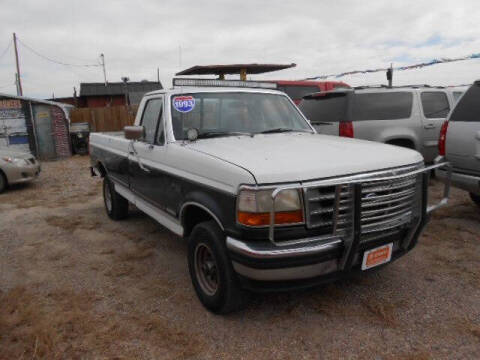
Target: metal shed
[(37, 126)]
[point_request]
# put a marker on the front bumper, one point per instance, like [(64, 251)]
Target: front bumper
[(21, 174), (465, 182), (267, 264)]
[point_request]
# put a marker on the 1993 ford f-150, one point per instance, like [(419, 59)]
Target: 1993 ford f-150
[(264, 202)]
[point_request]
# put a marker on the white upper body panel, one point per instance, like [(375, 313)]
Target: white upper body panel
[(227, 162), (293, 157)]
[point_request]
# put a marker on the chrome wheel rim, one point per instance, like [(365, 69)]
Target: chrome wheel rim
[(206, 269), (108, 197)]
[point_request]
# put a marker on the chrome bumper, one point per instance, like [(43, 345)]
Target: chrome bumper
[(345, 247), (465, 182)]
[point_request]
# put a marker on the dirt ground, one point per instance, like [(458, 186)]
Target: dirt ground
[(76, 285)]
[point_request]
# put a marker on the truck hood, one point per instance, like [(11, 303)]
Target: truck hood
[(15, 154), (292, 157)]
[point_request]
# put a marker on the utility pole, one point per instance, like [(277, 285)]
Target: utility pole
[(102, 57), (16, 84), (390, 75), (19, 82), (158, 75)]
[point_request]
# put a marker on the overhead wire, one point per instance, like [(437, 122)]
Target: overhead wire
[(6, 49), (53, 60)]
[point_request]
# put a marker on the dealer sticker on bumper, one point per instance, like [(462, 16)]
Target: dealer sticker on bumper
[(378, 256)]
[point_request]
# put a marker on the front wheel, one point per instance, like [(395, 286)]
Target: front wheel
[(211, 270), (475, 198), (115, 204)]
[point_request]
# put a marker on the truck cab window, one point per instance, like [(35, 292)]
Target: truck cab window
[(150, 119)]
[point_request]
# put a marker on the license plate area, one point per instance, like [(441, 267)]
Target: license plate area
[(377, 256)]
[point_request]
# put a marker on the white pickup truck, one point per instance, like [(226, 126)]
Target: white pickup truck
[(264, 202)]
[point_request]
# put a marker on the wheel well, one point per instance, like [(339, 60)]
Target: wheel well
[(101, 169), (4, 176), (193, 215), (406, 143)]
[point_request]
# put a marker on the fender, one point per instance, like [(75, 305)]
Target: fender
[(392, 136), (219, 207)]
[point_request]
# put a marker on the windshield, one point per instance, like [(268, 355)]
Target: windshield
[(233, 113)]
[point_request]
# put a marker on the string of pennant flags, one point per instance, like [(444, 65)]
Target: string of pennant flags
[(399, 68)]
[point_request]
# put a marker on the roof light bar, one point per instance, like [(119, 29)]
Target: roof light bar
[(223, 83)]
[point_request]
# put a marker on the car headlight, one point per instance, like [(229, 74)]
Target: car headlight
[(15, 161), (254, 207)]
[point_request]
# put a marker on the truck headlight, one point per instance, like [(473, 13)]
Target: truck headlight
[(254, 206)]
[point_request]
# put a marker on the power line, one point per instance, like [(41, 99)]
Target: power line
[(6, 49), (55, 61)]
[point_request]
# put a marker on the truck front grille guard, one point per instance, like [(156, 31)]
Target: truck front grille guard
[(351, 241)]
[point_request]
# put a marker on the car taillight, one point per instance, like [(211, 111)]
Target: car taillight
[(345, 129), (442, 139)]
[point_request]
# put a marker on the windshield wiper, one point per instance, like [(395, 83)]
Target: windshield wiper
[(212, 134), (281, 130)]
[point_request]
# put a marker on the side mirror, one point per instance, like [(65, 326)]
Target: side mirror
[(134, 132)]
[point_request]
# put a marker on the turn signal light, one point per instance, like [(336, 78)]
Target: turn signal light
[(442, 139), (263, 219), (345, 129)]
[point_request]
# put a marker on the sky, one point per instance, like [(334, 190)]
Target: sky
[(321, 37)]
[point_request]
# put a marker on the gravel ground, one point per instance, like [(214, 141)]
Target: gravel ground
[(76, 285)]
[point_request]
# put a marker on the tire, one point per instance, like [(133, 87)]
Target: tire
[(115, 204), (211, 271), (3, 182), (475, 198)]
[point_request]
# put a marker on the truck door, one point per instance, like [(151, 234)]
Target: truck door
[(147, 156), (435, 108), (463, 134)]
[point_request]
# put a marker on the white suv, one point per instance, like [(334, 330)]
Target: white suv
[(408, 116)]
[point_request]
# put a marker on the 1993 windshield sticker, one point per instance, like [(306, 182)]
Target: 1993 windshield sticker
[(184, 104)]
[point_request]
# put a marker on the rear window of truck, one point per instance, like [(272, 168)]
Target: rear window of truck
[(468, 108), (331, 108), (382, 106), (298, 91)]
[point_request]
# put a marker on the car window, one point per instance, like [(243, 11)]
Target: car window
[(234, 112), (329, 108), (382, 106), (468, 108), (456, 95), (435, 104), (297, 92), (150, 117)]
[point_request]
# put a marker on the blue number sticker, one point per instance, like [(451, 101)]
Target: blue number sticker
[(184, 104)]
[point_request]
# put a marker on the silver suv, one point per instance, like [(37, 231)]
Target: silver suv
[(409, 116), (459, 143)]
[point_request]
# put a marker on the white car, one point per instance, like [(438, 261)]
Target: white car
[(263, 201), (17, 167)]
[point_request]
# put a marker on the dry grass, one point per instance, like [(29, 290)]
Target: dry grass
[(64, 324), (71, 222), (417, 355), (383, 312)]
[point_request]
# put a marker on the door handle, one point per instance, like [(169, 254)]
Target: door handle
[(429, 126)]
